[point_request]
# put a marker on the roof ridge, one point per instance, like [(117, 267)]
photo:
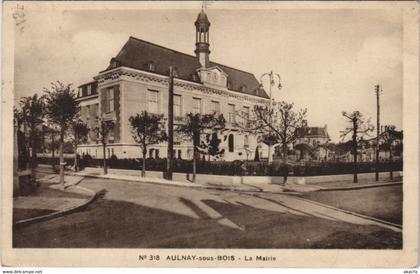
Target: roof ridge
[(189, 55), (160, 46)]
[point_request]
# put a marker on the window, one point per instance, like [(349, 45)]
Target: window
[(180, 154), (89, 90), (215, 107), (156, 153), (151, 66), (229, 84), (246, 141), (243, 88), (153, 101), (79, 93), (231, 113), (109, 99), (231, 143), (196, 105), (177, 106)]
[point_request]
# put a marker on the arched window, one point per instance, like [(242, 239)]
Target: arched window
[(231, 143)]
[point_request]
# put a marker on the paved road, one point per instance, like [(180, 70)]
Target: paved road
[(148, 215)]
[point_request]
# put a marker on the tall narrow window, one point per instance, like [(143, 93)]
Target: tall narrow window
[(177, 106), (153, 101), (89, 90), (231, 113), (246, 141), (215, 107), (110, 100), (231, 143), (196, 105)]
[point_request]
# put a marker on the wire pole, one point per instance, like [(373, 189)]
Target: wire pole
[(270, 156), (377, 91), (170, 155)]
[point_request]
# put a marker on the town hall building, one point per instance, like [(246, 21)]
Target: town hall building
[(137, 79)]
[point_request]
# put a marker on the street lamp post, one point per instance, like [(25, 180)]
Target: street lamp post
[(272, 78)]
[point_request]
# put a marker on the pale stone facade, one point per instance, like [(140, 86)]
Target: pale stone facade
[(126, 88)]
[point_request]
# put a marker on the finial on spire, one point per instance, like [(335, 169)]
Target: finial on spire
[(203, 5)]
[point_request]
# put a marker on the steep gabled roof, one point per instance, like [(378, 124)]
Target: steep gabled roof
[(308, 132), (137, 54)]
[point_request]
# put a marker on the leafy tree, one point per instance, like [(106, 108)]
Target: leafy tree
[(52, 145), (32, 114), (389, 138), (211, 145), (195, 126), (147, 129), (61, 110), (23, 151), (358, 127), (102, 131), (80, 131)]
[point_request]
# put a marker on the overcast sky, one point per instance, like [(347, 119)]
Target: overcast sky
[(329, 60)]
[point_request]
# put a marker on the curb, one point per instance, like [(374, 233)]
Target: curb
[(398, 226), (358, 187), (254, 189), (57, 214)]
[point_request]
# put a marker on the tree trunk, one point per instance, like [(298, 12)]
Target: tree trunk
[(76, 164), (104, 158), (391, 175), (286, 169), (194, 164), (60, 152), (143, 168), (53, 150), (33, 156), (354, 158)]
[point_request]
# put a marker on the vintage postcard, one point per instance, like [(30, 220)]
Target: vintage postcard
[(210, 134)]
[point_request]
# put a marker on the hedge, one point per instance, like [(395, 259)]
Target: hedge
[(236, 167)]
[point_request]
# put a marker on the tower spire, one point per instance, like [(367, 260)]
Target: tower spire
[(202, 45)]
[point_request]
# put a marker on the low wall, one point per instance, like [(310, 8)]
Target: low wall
[(223, 180)]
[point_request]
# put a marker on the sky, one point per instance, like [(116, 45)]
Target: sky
[(329, 60)]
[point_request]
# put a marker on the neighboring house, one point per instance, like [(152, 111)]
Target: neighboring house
[(312, 143), (137, 80), (367, 148)]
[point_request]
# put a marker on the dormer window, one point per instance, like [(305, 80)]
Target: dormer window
[(243, 88), (114, 63), (194, 77), (229, 84), (150, 66), (175, 72)]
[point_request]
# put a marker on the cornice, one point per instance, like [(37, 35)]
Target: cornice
[(151, 78)]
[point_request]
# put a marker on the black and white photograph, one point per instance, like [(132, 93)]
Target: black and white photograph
[(189, 133)]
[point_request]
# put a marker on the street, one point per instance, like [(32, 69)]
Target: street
[(143, 215)]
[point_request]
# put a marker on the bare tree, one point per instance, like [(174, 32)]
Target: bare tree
[(358, 128), (195, 126), (276, 125), (102, 132), (61, 110), (147, 129)]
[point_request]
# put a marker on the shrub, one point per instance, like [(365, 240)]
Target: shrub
[(252, 168)]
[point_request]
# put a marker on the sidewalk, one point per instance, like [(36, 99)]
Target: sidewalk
[(180, 180), (175, 182), (49, 200)]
